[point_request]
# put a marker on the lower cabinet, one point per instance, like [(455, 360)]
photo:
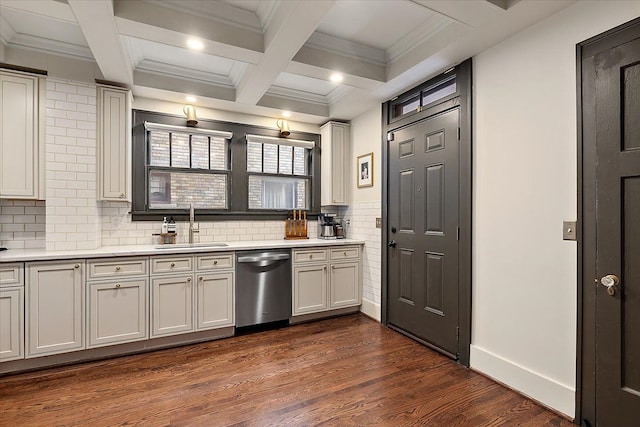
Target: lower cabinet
[(11, 324), (310, 289), (54, 307), (117, 312), (172, 305), (215, 300), (325, 285)]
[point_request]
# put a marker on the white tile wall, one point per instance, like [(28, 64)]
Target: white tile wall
[(118, 229), (72, 220), (22, 224), (362, 226)]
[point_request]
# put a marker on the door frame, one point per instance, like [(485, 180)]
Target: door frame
[(462, 100), (586, 229)]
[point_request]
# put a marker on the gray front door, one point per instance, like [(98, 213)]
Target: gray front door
[(617, 109), (423, 229)]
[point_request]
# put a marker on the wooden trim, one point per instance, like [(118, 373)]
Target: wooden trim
[(463, 100)]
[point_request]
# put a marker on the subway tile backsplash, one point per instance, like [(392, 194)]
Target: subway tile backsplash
[(22, 224)]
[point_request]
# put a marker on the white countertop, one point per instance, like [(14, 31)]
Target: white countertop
[(21, 255)]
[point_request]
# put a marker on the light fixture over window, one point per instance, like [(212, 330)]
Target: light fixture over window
[(195, 44), (283, 125), (190, 112)]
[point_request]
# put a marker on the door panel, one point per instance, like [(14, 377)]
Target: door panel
[(423, 220), (617, 85)]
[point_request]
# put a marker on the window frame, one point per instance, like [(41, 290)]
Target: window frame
[(238, 176)]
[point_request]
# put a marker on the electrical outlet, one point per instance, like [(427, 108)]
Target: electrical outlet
[(378, 222)]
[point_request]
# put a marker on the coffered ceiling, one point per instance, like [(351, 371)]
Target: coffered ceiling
[(268, 56)]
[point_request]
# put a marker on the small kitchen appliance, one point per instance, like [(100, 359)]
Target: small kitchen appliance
[(326, 226)]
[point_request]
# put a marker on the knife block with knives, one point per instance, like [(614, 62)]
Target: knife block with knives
[(296, 228)]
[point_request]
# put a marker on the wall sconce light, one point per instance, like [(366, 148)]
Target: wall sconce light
[(283, 125), (190, 112)]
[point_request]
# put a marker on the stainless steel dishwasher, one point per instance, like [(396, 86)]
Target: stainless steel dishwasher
[(263, 287)]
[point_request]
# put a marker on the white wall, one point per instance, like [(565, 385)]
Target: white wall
[(366, 131), (525, 156)]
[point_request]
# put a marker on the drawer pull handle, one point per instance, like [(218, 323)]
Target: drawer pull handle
[(215, 262), (173, 264), (310, 256), (117, 285), (345, 253), (118, 268), (76, 266)]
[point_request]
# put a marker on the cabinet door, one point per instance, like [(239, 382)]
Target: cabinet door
[(172, 305), (335, 163), (113, 144), (309, 289), (19, 161), (215, 300), (11, 324), (117, 312), (55, 307), (345, 285)]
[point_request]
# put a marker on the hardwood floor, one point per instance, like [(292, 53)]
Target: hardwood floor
[(338, 372)]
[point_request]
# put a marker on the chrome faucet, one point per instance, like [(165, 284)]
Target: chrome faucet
[(192, 229)]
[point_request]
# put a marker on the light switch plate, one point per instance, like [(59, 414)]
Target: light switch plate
[(378, 222), (569, 230)]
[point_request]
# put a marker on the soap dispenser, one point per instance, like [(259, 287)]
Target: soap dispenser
[(165, 226)]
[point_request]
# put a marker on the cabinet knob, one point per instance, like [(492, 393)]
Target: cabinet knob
[(76, 266), (201, 278), (215, 262), (117, 285), (310, 256), (324, 268), (173, 264), (188, 279), (122, 195), (118, 268), (345, 253), (333, 267)]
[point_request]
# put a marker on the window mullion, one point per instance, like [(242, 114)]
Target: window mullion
[(170, 150)]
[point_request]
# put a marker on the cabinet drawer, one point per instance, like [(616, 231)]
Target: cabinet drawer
[(347, 252), (311, 255), (11, 275), (116, 267), (214, 261), (172, 264)]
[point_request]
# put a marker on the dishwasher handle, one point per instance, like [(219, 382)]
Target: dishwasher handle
[(260, 258)]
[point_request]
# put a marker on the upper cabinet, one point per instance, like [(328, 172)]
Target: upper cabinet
[(335, 163), (21, 136), (114, 144)]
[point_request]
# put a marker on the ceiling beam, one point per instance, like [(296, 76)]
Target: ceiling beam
[(49, 9), (98, 25), (291, 26)]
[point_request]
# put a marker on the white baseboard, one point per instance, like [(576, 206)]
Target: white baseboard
[(538, 387), (371, 309)]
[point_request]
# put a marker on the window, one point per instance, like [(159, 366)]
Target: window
[(226, 170), (187, 167), (416, 101), (278, 171)]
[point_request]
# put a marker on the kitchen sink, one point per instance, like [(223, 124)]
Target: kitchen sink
[(192, 245)]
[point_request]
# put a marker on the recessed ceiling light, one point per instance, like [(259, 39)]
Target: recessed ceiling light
[(191, 98), (286, 114), (336, 77), (195, 44)]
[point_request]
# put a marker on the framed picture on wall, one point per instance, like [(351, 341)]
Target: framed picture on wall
[(365, 170)]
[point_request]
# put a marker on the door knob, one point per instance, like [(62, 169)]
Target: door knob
[(610, 281), (392, 244)]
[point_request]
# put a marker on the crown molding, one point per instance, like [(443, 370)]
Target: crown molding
[(337, 45), (7, 33), (266, 10), (298, 95), (135, 53), (55, 47), (336, 94), (163, 69), (423, 32), (237, 71)]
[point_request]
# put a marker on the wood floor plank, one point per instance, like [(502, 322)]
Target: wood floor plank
[(347, 371)]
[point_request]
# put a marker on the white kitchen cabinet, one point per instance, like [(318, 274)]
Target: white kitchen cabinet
[(172, 305), (215, 300), (54, 307), (345, 284), (310, 289), (21, 136), (118, 311), (11, 324), (114, 144), (335, 163), (326, 279)]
